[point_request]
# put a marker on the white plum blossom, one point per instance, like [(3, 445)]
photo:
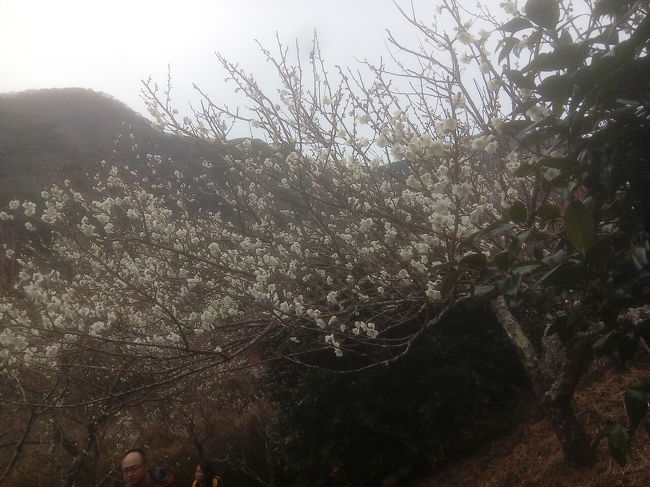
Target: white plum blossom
[(366, 224), (497, 124), (86, 228), (537, 113), (432, 293), (465, 37), (97, 328), (10, 340), (458, 101), (29, 207), (491, 147), (462, 191), (510, 7), (494, 84), (448, 125), (551, 173)]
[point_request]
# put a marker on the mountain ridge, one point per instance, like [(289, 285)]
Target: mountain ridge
[(58, 133)]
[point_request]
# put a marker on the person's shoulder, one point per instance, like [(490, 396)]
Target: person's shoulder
[(162, 477)]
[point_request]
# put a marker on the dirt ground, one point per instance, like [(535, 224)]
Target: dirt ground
[(530, 456)]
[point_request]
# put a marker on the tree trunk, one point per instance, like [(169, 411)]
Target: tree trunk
[(575, 443), (553, 387)]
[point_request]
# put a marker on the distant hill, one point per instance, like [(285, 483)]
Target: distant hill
[(56, 133)]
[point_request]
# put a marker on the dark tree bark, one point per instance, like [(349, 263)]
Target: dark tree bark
[(554, 378)]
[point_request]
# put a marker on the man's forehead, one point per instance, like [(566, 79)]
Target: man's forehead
[(133, 458)]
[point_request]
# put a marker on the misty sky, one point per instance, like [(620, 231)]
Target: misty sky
[(111, 46)]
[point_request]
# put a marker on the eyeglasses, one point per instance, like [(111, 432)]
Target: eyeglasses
[(134, 468)]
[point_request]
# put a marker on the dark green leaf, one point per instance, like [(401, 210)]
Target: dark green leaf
[(538, 250), (642, 330), (448, 283), (518, 242), (522, 237), (501, 229), (606, 343), (515, 25), (609, 312), (558, 326), (611, 7), (618, 444), (523, 269), (548, 212), (469, 240), (545, 13), (519, 79), (562, 163), (474, 260), (556, 259), (575, 315), (484, 290), (559, 163), (508, 44), (513, 302), (563, 275), (510, 286), (636, 405), (503, 260), (515, 127), (640, 257), (544, 302), (645, 385), (569, 56), (524, 170), (538, 136), (565, 37), (517, 212), (556, 87), (579, 225), (627, 346)]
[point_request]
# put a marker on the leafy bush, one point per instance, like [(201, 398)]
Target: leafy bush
[(449, 394)]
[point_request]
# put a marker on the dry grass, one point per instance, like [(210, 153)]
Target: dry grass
[(530, 455)]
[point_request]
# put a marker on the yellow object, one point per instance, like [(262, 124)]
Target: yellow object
[(216, 482)]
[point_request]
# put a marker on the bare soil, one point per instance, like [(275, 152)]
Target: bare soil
[(529, 455)]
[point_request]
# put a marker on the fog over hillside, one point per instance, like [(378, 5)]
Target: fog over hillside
[(61, 133)]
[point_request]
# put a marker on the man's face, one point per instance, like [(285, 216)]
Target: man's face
[(134, 471)]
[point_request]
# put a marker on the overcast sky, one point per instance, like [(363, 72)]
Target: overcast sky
[(111, 46)]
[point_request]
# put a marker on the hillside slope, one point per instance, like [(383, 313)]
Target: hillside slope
[(530, 456), (61, 133)]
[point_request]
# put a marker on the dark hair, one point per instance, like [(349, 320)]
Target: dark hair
[(139, 451), (208, 474)]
